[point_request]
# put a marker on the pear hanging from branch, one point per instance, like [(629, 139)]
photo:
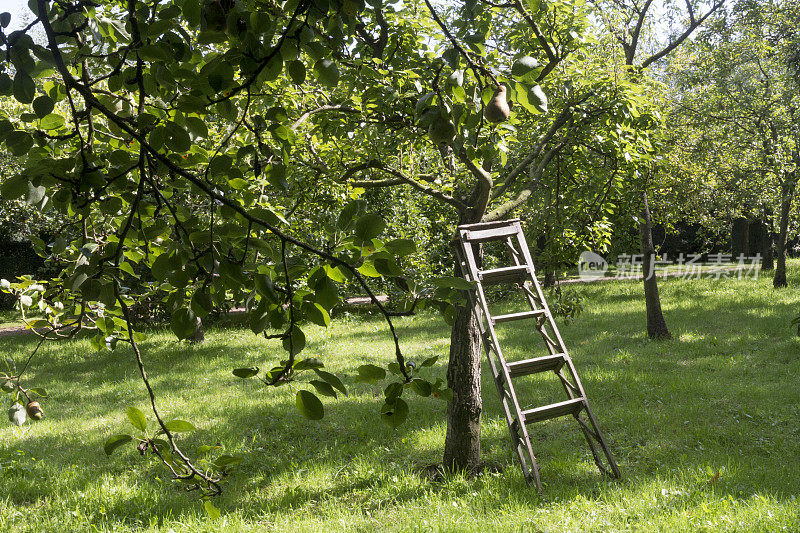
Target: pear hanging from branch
[(497, 109)]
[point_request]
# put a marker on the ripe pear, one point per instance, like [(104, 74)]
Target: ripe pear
[(497, 109), (442, 130), (34, 410)]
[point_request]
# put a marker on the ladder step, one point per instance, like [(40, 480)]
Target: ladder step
[(569, 407), (490, 234), (536, 365), (510, 274), (517, 316)]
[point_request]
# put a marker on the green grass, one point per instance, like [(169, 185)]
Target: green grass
[(722, 397), (10, 319)]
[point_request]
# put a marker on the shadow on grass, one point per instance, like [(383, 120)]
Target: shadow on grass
[(720, 397)]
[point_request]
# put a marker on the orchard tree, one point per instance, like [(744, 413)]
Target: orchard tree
[(741, 92), (180, 138), (633, 25)]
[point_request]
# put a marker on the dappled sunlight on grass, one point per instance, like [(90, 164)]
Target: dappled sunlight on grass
[(704, 427)]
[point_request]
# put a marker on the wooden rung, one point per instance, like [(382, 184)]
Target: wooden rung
[(489, 225), (569, 407), (512, 274), (516, 316), (491, 234), (536, 365)]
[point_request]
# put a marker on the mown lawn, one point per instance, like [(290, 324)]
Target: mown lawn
[(722, 398)]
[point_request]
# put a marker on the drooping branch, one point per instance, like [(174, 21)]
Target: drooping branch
[(207, 189)]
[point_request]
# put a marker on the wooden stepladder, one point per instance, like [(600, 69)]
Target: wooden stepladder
[(521, 274)]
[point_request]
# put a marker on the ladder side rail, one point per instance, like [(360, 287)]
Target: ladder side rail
[(609, 456), (476, 309), (532, 303), (551, 321), (519, 428), (570, 365)]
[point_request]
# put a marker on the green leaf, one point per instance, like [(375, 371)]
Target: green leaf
[(192, 12), (395, 413), (327, 73), (238, 183), (317, 314), (323, 388), (179, 140), (180, 426), (14, 187), (5, 19), (309, 405), (421, 387), (43, 106), (309, 363), (114, 442), (24, 88), (5, 84), (212, 512), (245, 373), (161, 267), (265, 288), (401, 247), (19, 142), (424, 103), (137, 418), (524, 66), (368, 269), (276, 176), (368, 227), (183, 323), (197, 127), (392, 391), (201, 303), (297, 71), (534, 5), (153, 52), (332, 379), (298, 341), (227, 460), (370, 374), (430, 361), (537, 98)]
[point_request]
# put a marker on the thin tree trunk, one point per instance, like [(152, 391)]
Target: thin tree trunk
[(199, 333), (787, 191), (767, 258), (656, 325)]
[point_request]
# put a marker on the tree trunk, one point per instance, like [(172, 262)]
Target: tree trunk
[(767, 259), (199, 333), (656, 325), (462, 446), (740, 237), (787, 191)]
